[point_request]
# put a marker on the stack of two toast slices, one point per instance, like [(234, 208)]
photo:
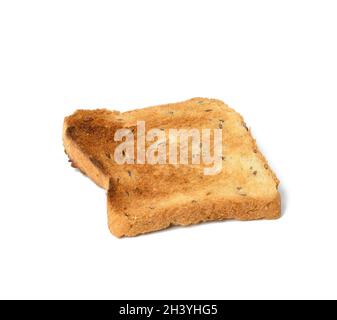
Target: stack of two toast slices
[(143, 197)]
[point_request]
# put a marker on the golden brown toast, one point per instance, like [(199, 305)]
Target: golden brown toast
[(147, 197)]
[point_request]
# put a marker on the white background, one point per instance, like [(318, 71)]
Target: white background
[(273, 61)]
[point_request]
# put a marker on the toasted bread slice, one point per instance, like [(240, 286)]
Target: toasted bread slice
[(146, 197)]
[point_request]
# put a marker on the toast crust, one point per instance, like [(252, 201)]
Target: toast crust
[(83, 161), (191, 213), (246, 189)]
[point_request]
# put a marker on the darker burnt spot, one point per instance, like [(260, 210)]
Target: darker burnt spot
[(97, 163), (111, 185), (245, 126), (208, 110), (70, 132), (138, 191), (87, 127)]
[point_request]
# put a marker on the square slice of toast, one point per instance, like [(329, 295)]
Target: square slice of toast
[(147, 197)]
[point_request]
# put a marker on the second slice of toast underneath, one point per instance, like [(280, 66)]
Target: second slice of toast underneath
[(144, 197)]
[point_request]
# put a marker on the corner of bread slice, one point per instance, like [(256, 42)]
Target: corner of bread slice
[(75, 148), (122, 224), (268, 208)]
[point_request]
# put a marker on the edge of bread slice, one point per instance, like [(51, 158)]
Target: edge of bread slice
[(146, 198)]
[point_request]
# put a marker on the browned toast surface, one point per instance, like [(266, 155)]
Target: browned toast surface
[(146, 197)]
